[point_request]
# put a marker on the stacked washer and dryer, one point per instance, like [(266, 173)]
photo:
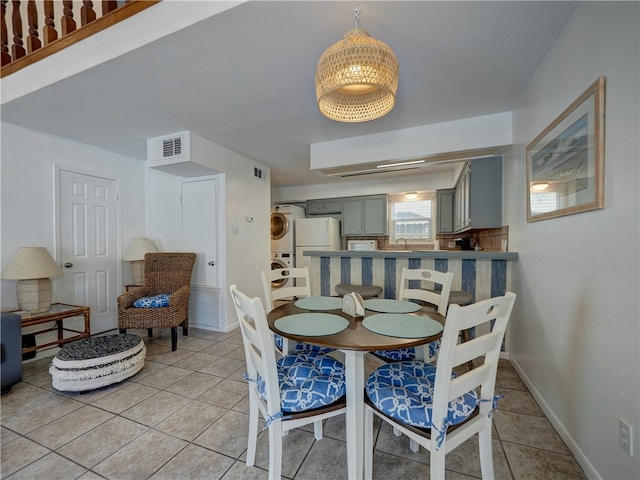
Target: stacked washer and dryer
[(283, 247)]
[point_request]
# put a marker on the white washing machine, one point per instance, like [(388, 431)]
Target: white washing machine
[(282, 228), (282, 260)]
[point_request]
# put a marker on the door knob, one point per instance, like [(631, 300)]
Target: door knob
[(68, 265), (212, 263)]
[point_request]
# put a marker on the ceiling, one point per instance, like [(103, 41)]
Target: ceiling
[(244, 78)]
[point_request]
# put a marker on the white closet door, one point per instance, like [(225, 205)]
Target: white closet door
[(88, 223), (200, 228)]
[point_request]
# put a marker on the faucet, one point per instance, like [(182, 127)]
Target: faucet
[(406, 245)]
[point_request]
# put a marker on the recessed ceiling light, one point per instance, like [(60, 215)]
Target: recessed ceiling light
[(540, 186), (389, 165)]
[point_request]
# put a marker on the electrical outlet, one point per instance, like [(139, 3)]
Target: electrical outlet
[(625, 433)]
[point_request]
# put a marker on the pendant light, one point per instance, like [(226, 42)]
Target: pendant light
[(356, 78)]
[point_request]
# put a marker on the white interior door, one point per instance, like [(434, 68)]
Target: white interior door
[(200, 228), (87, 226)]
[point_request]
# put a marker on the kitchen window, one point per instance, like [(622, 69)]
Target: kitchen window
[(412, 219), (543, 202)]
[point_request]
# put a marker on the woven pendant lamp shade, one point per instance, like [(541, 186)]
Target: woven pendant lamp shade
[(356, 79)]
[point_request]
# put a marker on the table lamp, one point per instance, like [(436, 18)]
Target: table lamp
[(33, 267), (135, 254)]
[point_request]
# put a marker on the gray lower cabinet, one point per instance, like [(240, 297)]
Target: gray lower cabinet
[(478, 195), (445, 202), (364, 215)]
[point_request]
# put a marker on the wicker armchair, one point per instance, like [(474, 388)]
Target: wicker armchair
[(163, 273)]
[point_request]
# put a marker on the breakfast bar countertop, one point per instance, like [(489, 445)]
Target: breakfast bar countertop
[(452, 254)]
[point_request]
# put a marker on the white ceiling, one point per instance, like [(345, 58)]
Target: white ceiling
[(244, 78)]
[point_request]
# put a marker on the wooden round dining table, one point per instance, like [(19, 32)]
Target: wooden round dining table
[(354, 341)]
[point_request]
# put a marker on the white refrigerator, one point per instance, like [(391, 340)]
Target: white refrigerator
[(315, 234)]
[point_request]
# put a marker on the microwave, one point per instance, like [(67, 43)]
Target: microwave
[(362, 245)]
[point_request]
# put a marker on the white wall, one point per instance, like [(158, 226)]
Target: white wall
[(245, 246), (575, 332), (27, 194)]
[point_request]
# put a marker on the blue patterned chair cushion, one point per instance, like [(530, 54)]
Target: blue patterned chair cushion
[(301, 347), (156, 301), (404, 391), (406, 354), (307, 381)]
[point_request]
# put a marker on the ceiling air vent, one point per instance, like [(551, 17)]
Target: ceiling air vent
[(172, 147), (181, 153)]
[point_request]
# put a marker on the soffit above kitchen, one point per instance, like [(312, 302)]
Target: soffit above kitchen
[(244, 78)]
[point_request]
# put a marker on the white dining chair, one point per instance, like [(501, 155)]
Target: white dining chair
[(446, 409), (421, 284), (300, 288), (293, 391)]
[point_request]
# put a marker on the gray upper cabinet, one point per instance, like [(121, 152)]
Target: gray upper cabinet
[(478, 195), (324, 207), (364, 215), (445, 202)]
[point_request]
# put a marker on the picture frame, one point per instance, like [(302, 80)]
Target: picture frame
[(565, 162)]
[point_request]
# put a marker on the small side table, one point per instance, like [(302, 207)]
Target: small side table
[(57, 313)]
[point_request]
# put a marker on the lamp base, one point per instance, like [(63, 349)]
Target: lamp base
[(137, 271), (34, 295)]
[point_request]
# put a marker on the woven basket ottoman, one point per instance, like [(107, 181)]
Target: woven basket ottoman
[(97, 362)]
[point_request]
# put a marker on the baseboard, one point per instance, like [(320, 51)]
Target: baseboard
[(589, 471)]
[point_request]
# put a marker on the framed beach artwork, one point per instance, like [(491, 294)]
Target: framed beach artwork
[(565, 163)]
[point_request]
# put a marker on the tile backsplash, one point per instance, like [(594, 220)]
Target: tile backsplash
[(490, 239)]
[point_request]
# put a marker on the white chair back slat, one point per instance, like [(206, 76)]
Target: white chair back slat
[(301, 289), (476, 347), (467, 382), (427, 293)]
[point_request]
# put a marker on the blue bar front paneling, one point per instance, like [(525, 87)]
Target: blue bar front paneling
[(389, 278), (325, 276), (498, 277), (441, 264), (367, 271), (469, 276), (498, 284), (345, 270), (414, 263)]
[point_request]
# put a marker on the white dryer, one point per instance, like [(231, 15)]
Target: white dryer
[(282, 228), (282, 260)]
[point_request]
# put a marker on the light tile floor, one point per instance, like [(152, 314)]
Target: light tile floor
[(184, 416)]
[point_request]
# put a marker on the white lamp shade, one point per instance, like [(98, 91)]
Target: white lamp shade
[(31, 263), (138, 247)]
